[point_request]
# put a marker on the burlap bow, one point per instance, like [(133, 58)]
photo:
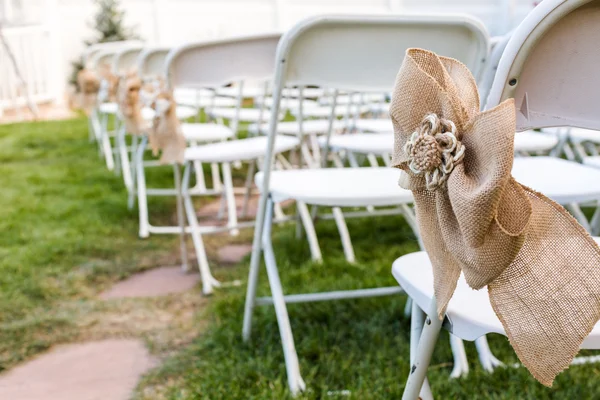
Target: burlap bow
[(166, 134), (541, 267), (89, 86), (130, 104)]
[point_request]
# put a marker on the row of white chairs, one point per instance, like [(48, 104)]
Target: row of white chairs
[(337, 53)]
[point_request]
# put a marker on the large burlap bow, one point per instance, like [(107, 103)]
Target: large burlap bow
[(541, 267)]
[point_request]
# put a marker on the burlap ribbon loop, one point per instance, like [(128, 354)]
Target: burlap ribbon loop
[(540, 266)]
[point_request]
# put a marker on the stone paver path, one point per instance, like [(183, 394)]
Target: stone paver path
[(104, 370), (233, 253), (154, 282)]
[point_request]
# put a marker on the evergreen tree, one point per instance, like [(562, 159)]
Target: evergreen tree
[(109, 23), (110, 27)]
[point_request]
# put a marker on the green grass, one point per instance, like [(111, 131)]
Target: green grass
[(65, 233), (357, 345)]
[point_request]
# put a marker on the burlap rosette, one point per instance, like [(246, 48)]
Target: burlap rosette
[(166, 135), (542, 269)]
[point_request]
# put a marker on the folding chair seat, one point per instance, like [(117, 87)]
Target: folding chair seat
[(307, 93), (289, 103), (584, 135), (548, 69), (335, 52), (535, 142), (372, 144), (337, 187), (354, 98), (373, 125), (206, 132), (310, 126), (109, 108), (470, 314), (342, 110), (242, 114), (237, 150), (246, 91)]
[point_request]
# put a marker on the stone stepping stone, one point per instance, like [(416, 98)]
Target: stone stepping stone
[(104, 370), (233, 253), (153, 283)]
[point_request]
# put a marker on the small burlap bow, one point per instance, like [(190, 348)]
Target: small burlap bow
[(166, 135), (130, 104), (541, 267), (89, 86)]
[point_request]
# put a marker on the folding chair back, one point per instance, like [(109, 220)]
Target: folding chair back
[(364, 54), (217, 63), (101, 59), (491, 66), (151, 62), (94, 49), (126, 59), (550, 66)]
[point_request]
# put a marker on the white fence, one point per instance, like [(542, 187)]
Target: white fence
[(66, 24)]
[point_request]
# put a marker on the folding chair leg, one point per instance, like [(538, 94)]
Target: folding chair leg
[(200, 182), (248, 187), (292, 366), (107, 150), (461, 364), (251, 289), (144, 229), (124, 156), (486, 357), (180, 218), (311, 234), (416, 327), (352, 160), (216, 177), (595, 222), (372, 160), (579, 215), (208, 281), (231, 206), (424, 351), (408, 308), (344, 234), (132, 193)]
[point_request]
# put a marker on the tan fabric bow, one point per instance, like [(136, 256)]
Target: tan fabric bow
[(541, 267), (89, 86), (130, 104), (166, 134)]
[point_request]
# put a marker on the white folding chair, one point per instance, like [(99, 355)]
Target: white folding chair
[(151, 65), (212, 65), (357, 54), (548, 67)]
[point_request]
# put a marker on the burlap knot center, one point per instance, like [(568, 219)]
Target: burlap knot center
[(540, 266), (434, 149)]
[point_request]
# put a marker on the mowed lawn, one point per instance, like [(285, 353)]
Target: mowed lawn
[(66, 233)]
